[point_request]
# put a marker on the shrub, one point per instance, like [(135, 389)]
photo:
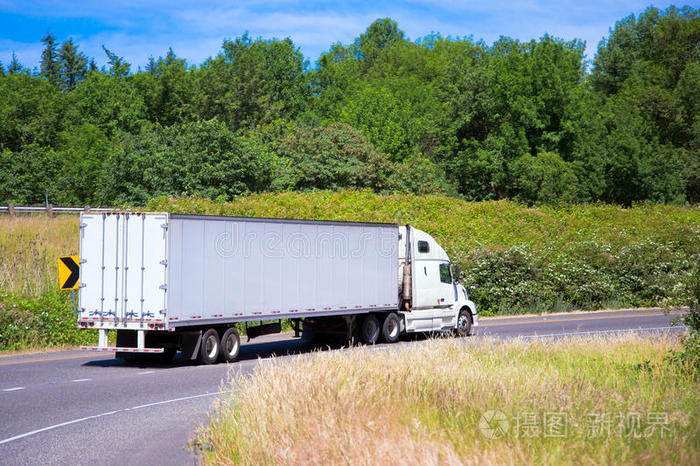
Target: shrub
[(46, 320)]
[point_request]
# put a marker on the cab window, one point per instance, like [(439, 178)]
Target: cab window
[(445, 276)]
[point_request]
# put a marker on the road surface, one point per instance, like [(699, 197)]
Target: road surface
[(77, 408)]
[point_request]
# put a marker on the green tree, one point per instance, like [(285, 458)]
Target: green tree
[(200, 158), (50, 64), (31, 111), (253, 82), (81, 153), (73, 65), (168, 90), (507, 101), (646, 73), (382, 34), (118, 67), (15, 67), (544, 178), (327, 157), (109, 102), (28, 176)]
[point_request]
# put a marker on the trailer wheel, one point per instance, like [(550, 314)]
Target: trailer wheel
[(391, 328), (230, 345), (464, 323), (369, 329), (209, 348)]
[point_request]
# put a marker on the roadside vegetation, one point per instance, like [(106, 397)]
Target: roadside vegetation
[(524, 259), (33, 312), (600, 400), (532, 121)]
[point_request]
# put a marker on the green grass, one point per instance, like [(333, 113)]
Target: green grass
[(424, 403)]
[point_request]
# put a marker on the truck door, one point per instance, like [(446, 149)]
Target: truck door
[(444, 313)]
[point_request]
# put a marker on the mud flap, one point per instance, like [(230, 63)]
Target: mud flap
[(189, 345)]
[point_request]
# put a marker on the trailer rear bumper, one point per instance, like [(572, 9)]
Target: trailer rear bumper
[(121, 349)]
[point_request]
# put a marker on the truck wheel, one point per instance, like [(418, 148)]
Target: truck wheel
[(230, 345), (464, 324), (391, 328), (369, 330), (209, 347)]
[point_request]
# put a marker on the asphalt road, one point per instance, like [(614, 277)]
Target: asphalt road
[(77, 408)]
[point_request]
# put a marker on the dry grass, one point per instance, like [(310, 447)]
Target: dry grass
[(422, 404), (29, 250)]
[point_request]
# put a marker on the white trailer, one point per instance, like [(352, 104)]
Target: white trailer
[(168, 282)]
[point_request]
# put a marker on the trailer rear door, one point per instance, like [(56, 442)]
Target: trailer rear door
[(123, 268)]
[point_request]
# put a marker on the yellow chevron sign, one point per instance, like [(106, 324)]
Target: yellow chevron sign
[(68, 272)]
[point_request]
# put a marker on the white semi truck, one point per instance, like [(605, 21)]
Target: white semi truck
[(168, 282)]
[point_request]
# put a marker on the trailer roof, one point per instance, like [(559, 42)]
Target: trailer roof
[(279, 220)]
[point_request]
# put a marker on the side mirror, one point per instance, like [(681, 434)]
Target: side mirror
[(455, 273)]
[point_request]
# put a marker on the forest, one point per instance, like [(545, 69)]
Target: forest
[(534, 122)]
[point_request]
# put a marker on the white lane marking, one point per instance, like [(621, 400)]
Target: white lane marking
[(145, 372), (12, 389), (81, 380), (108, 413), (602, 331)]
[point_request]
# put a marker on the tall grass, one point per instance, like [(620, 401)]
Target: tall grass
[(29, 250), (33, 312), (423, 404)]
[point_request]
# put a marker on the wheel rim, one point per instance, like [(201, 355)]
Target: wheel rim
[(231, 345), (393, 328), (211, 347), (463, 323)]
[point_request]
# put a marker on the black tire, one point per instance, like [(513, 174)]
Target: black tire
[(464, 323), (391, 328), (369, 329), (209, 347), (230, 345)]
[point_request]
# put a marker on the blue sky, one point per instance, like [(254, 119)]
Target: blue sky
[(195, 30)]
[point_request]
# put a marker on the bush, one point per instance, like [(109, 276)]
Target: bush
[(689, 356), (33, 322)]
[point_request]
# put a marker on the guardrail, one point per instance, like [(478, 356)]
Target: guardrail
[(51, 210)]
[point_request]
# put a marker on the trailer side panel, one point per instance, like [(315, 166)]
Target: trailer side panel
[(227, 269)]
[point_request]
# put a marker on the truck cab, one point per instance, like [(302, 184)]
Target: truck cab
[(436, 300)]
